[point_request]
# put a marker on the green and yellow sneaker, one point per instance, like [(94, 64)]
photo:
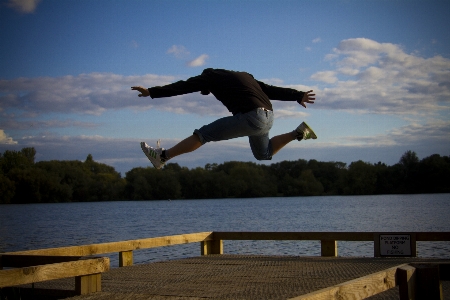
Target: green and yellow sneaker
[(153, 154), (304, 132)]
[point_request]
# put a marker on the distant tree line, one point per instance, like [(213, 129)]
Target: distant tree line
[(22, 180)]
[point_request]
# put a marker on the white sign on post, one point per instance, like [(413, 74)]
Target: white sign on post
[(395, 245)]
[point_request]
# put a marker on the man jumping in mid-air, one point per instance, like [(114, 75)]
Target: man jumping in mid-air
[(249, 102)]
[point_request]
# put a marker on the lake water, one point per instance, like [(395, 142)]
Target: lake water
[(36, 226)]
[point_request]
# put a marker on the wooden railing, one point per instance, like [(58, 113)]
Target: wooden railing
[(37, 265), (124, 248), (54, 263), (37, 268), (328, 240)]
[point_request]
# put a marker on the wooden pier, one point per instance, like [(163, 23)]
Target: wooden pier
[(215, 275)]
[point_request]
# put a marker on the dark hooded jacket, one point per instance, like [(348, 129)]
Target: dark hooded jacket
[(240, 92)]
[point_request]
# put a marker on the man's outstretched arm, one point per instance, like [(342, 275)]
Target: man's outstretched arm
[(287, 94), (191, 85)]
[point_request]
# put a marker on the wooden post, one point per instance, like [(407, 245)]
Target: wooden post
[(211, 247), (88, 284), (125, 258), (406, 280), (428, 284), (328, 248), (413, 244), (376, 245)]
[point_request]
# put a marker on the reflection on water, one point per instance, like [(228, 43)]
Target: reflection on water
[(35, 226)]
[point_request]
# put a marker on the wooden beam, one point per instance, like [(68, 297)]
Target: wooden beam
[(339, 236), (27, 275), (359, 288), (432, 236), (21, 261), (130, 245)]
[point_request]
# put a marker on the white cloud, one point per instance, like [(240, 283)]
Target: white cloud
[(4, 139), (11, 122), (287, 113), (372, 77), (199, 61), (178, 51), (95, 93), (86, 93), (412, 134), (325, 76), (316, 40), (365, 77), (92, 94), (24, 6), (272, 81)]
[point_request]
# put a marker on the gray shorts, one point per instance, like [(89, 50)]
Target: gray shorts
[(255, 124)]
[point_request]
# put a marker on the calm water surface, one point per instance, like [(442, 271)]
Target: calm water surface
[(35, 226)]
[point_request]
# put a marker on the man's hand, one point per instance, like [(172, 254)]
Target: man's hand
[(307, 98), (143, 91)]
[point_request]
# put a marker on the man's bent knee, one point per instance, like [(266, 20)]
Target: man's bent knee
[(259, 156), (200, 136)]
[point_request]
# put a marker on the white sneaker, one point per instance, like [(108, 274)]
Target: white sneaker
[(304, 132), (153, 154)]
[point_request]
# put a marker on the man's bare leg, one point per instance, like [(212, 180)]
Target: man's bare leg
[(279, 141), (189, 144), (303, 132)]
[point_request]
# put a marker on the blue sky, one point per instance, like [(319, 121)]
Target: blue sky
[(380, 69)]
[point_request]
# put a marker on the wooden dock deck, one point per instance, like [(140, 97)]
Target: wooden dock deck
[(77, 271), (243, 277)]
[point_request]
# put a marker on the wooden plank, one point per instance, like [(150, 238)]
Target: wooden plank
[(130, 245), (26, 275), (432, 236), (339, 236), (406, 280), (21, 261), (359, 288)]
